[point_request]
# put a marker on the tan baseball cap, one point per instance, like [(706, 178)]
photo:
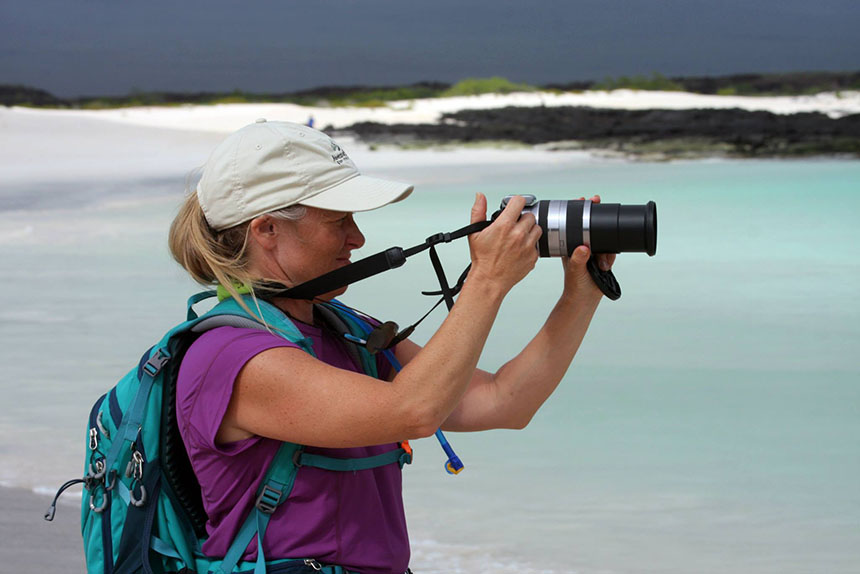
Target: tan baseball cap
[(268, 166)]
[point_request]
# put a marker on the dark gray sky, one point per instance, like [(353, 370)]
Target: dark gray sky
[(94, 47)]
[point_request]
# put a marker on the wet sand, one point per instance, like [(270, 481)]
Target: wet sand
[(30, 543)]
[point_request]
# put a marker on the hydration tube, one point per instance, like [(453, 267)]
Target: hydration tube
[(453, 465)]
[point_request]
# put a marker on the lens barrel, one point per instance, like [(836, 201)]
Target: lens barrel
[(604, 227)]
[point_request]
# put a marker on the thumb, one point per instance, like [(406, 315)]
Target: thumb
[(580, 256), (479, 209)]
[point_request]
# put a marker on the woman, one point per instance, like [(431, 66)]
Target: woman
[(276, 203)]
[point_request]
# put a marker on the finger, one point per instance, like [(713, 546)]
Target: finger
[(479, 209), (534, 233), (610, 260), (527, 220), (603, 262), (513, 209), (580, 255), (595, 199)]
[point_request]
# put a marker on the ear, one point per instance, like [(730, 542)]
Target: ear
[(264, 231)]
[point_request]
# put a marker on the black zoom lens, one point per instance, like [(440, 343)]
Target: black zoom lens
[(604, 227)]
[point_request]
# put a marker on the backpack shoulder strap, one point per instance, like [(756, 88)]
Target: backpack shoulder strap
[(268, 318), (274, 489), (335, 321), (280, 475), (176, 466)]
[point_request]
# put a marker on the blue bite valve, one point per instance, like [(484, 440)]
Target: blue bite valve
[(453, 465)]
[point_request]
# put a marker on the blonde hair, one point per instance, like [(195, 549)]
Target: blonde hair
[(218, 257)]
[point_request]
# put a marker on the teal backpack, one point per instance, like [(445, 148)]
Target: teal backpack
[(142, 509)]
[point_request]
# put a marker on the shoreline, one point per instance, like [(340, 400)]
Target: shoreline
[(650, 135), (637, 125), (31, 543), (226, 118)]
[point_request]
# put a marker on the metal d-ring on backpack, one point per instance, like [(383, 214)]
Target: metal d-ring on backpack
[(141, 509)]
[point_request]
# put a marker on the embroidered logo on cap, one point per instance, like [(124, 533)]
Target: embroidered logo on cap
[(339, 156)]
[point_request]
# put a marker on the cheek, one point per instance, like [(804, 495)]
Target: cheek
[(336, 241)]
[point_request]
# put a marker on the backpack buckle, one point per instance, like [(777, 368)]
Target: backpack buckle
[(156, 362), (268, 500), (297, 458)]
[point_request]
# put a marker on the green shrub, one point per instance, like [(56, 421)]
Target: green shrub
[(231, 99), (653, 82), (371, 104), (477, 86)]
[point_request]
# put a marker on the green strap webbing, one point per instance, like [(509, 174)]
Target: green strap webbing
[(274, 489), (131, 423), (262, 520), (397, 455), (240, 542), (193, 300), (278, 482)]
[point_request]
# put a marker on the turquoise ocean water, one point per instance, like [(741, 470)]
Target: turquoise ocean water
[(710, 423)]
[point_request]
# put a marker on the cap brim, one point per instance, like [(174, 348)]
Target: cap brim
[(359, 193)]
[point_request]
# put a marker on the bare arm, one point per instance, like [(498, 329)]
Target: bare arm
[(288, 395), (510, 397)]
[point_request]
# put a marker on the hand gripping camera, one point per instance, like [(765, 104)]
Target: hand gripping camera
[(603, 227)]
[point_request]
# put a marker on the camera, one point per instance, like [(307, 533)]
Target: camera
[(603, 227)]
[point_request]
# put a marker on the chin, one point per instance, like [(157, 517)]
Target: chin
[(331, 294)]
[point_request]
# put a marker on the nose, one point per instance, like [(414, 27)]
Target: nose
[(354, 236)]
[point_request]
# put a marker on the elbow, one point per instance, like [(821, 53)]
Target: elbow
[(520, 422), (427, 423), (424, 431), (518, 418), (422, 420)]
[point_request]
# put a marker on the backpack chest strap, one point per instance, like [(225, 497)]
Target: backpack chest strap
[(398, 455)]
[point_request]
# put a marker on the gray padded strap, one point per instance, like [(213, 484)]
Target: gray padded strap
[(327, 315), (227, 321), (337, 325)]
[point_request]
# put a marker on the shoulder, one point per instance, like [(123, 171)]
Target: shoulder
[(233, 342), (223, 351), (209, 369)]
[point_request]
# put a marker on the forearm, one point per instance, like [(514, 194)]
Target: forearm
[(522, 384), (435, 379)]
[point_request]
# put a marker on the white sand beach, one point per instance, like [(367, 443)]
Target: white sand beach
[(225, 118), (58, 144)]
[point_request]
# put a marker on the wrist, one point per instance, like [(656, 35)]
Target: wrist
[(588, 295), (486, 284)]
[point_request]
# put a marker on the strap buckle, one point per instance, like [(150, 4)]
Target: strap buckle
[(297, 458), (156, 363), (439, 238), (268, 500), (406, 457)]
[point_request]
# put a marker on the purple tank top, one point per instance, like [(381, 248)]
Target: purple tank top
[(354, 519)]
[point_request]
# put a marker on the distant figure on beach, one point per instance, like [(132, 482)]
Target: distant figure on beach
[(273, 209), (310, 122)]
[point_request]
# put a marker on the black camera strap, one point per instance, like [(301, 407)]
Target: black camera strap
[(394, 257), (390, 258)]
